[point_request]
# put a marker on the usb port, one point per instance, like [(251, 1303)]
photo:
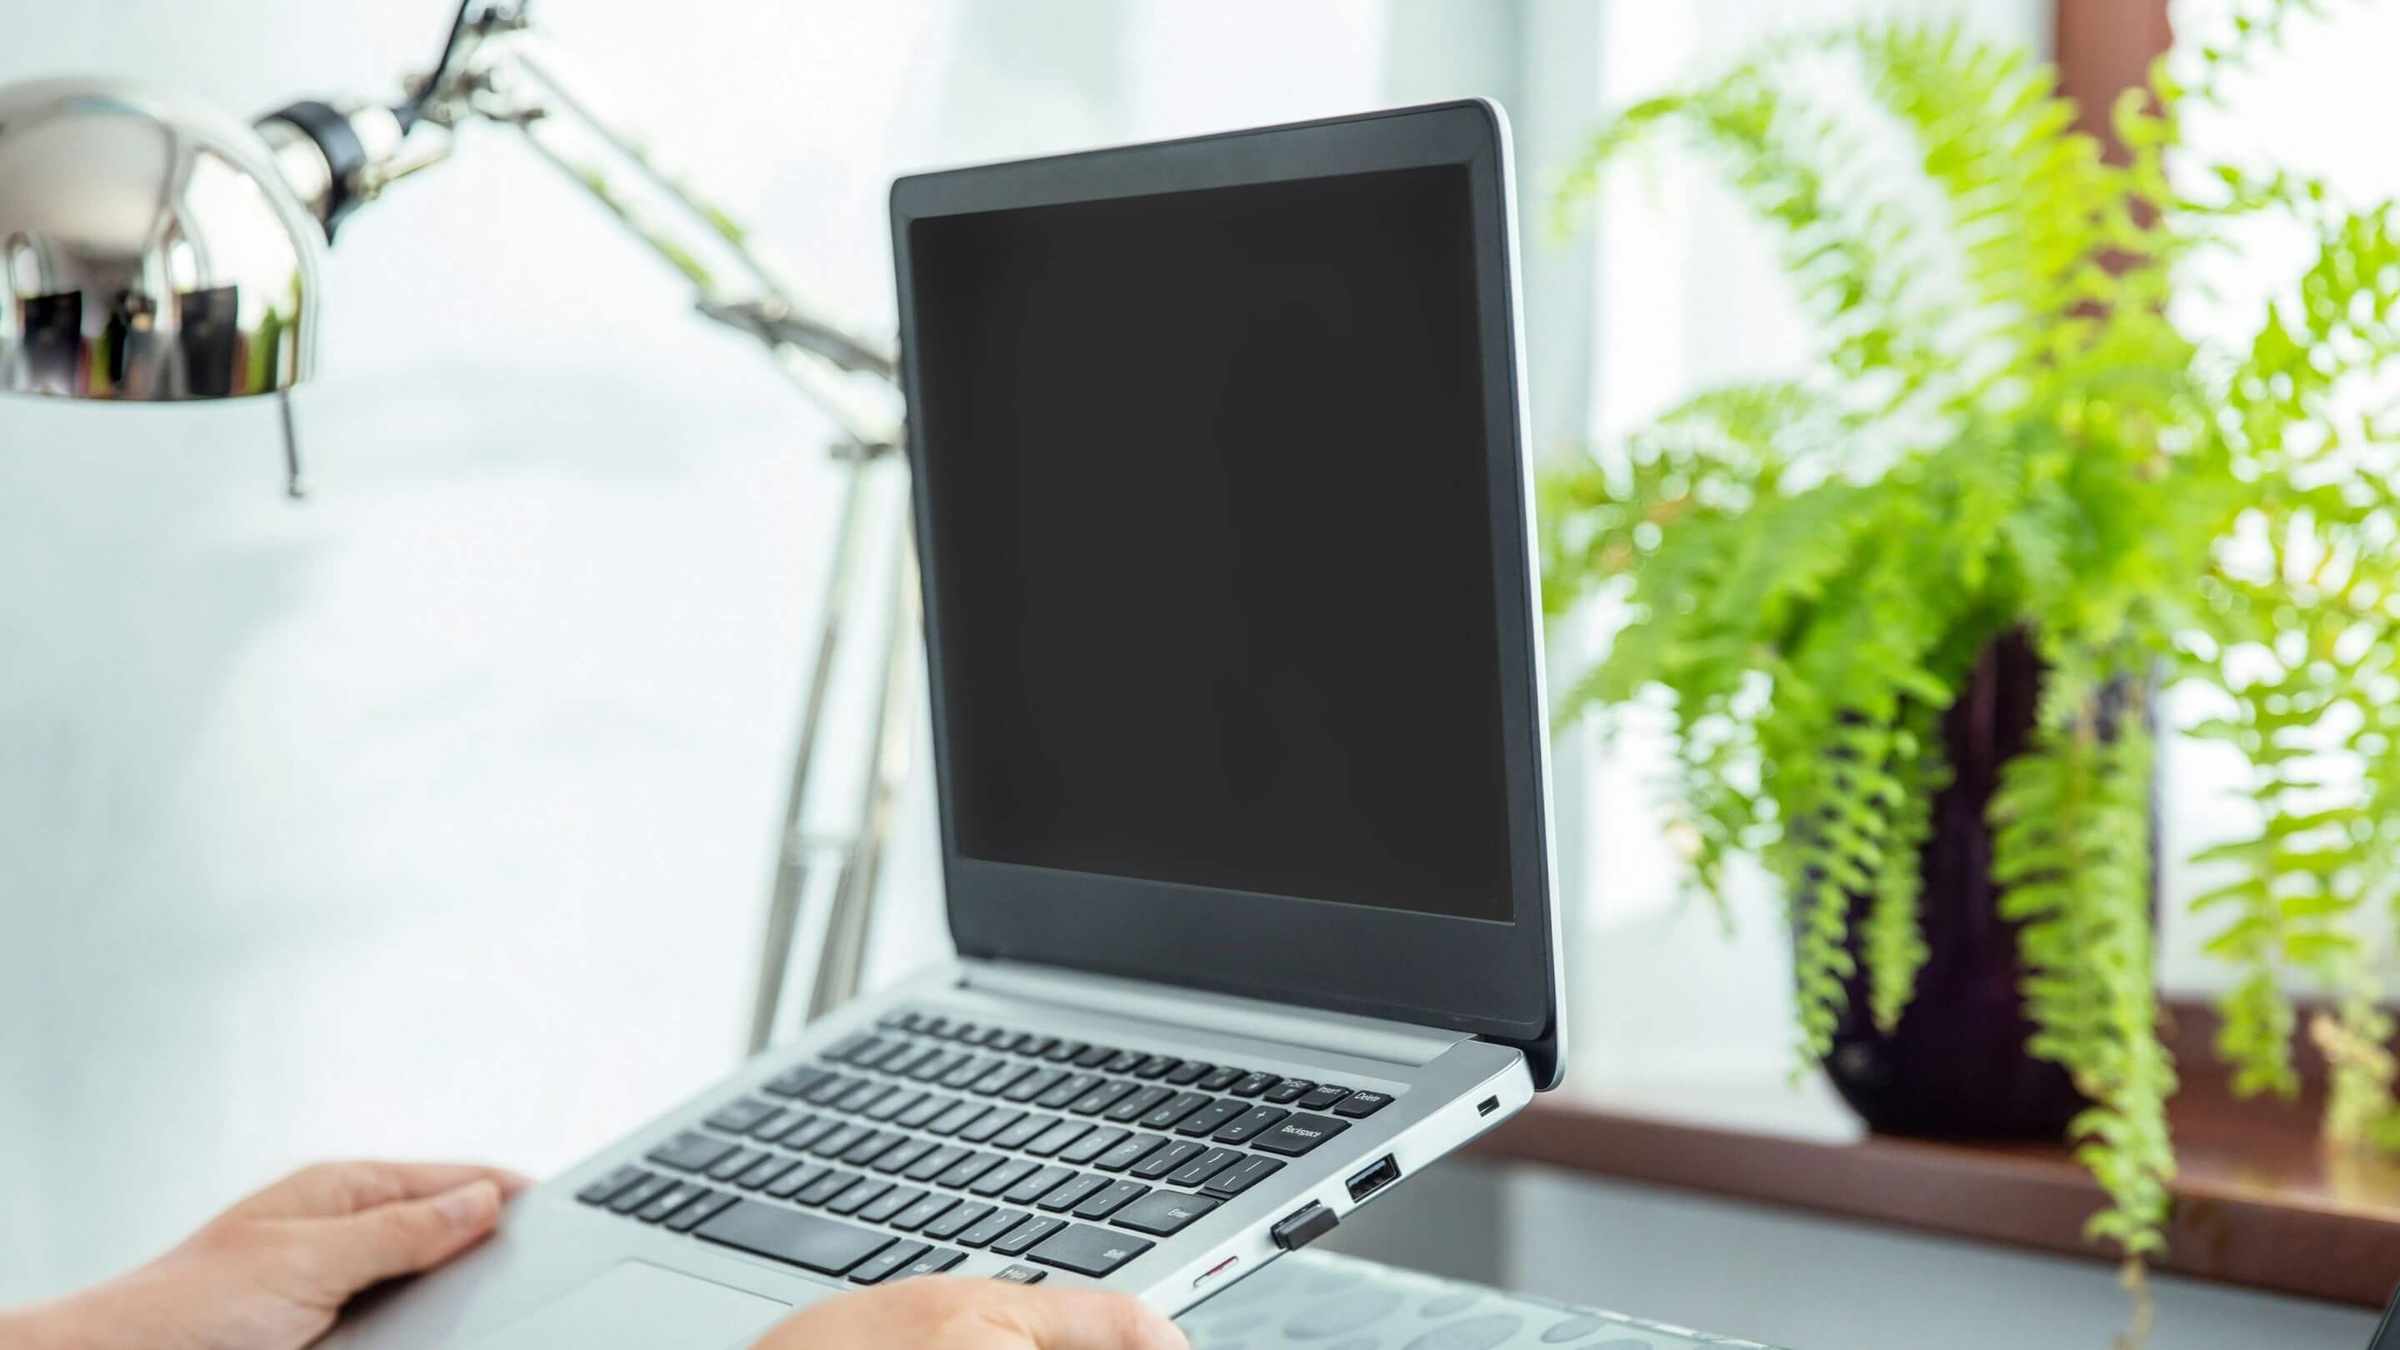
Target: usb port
[(1487, 1106), (1381, 1173)]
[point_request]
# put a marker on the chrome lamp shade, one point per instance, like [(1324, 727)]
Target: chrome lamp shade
[(150, 250)]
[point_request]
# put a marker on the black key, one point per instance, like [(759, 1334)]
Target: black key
[(1298, 1135), (1065, 1051), (1087, 1250), (1001, 1178), (609, 1187), (1167, 1160), (641, 1193), (1059, 1135), (1001, 1078), (824, 1188), (965, 1170), (870, 1146), (1323, 1098), (900, 1019), (1156, 1066), (1187, 1073), (831, 1086), (771, 1128), (862, 1096), (964, 1031), (976, 1066), (1024, 1132), (890, 1057), (1125, 1061), (740, 1117), (1037, 1183), (935, 1026), (765, 1170), (673, 1198), (995, 1038), (938, 1161), (805, 1135), (1071, 1192), (1093, 1145), (1022, 1275), (1208, 1118), (893, 1105), (804, 1240), (888, 1261), (920, 1115), (1288, 1091), (925, 1057), (797, 1081), (1109, 1201), (841, 1051), (739, 1161), (934, 1069), (995, 1224), (1024, 1235), (1041, 1047), (904, 1155), (891, 1202), (1361, 1104), (931, 1206), (1139, 1104), (690, 1152), (968, 1214), (1174, 1109), (861, 1194), (1035, 1084), (1060, 1096), (1100, 1098), (1222, 1078), (1162, 1212), (933, 1262), (1251, 1123), (700, 1211), (1128, 1153), (990, 1123), (1242, 1176), (798, 1179), (1253, 1084), (1200, 1169), (956, 1117), (1023, 1043), (1093, 1056)]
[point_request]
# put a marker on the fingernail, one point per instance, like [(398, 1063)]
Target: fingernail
[(470, 1204)]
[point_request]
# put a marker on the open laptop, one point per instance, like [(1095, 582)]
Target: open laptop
[(1222, 504)]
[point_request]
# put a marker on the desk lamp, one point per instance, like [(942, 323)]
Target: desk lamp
[(154, 250)]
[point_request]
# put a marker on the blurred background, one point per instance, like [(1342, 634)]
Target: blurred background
[(436, 816)]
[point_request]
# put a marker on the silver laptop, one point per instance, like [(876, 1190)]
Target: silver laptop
[(1222, 505)]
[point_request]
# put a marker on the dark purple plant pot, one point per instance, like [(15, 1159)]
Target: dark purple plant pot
[(1956, 1065)]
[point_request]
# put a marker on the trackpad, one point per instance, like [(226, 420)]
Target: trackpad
[(638, 1305)]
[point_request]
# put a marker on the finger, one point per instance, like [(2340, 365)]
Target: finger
[(403, 1238), (1089, 1319), (328, 1190)]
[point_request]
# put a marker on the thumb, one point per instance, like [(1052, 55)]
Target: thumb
[(1088, 1319), (406, 1237)]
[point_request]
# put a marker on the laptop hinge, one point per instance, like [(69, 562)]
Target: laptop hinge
[(1169, 1005)]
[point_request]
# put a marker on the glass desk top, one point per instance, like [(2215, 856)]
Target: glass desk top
[(1321, 1301)]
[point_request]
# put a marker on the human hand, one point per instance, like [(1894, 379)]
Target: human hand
[(949, 1313), (272, 1272)]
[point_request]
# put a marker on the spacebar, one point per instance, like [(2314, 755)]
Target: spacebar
[(821, 1245)]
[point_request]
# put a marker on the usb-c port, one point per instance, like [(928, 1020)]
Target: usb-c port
[(1383, 1172), (1487, 1106)]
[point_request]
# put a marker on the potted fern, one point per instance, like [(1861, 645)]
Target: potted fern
[(2009, 478)]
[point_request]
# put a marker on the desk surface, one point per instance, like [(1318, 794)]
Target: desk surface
[(1326, 1302)]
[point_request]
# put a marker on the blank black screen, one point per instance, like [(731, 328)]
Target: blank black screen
[(1211, 562)]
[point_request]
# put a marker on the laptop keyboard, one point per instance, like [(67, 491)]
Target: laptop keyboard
[(900, 1148)]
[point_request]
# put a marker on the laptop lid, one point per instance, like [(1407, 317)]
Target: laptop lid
[(1222, 503)]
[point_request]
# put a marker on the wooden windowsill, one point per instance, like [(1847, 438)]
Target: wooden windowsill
[(2260, 1202)]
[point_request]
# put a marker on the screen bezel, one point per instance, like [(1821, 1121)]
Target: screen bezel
[(1484, 977)]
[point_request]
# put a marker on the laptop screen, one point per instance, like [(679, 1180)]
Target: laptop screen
[(1215, 587)]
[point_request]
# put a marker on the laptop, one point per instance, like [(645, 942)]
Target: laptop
[(1222, 505)]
